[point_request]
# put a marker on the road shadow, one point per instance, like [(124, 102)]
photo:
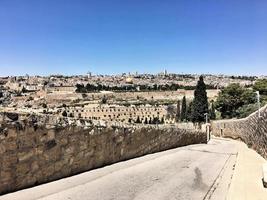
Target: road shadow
[(198, 180)]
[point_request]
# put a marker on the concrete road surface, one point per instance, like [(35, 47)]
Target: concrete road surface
[(201, 171)]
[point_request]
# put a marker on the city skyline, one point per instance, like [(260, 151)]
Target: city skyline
[(131, 74)]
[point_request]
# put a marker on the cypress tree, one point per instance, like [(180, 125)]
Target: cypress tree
[(189, 111), (150, 120), (212, 111), (145, 122), (104, 100), (162, 120), (183, 111), (200, 102), (155, 120), (64, 113), (178, 111), (138, 120)]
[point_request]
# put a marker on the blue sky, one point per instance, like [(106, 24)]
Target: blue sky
[(113, 36)]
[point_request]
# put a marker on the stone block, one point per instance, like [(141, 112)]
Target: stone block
[(83, 145), (48, 170), (51, 135), (2, 148), (25, 155), (22, 169), (59, 165), (63, 141), (69, 150), (25, 181), (9, 160), (11, 145), (26, 141), (6, 176), (12, 134), (50, 144), (53, 154), (89, 153), (34, 166)]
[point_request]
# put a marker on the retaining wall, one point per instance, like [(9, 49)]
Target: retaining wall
[(252, 130), (34, 152)]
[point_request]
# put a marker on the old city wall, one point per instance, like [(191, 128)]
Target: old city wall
[(156, 95), (252, 130), (34, 152)]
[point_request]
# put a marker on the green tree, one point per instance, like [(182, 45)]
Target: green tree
[(171, 111), (138, 120), (30, 98), (44, 105), (104, 100), (189, 111), (145, 122), (200, 102), (261, 86), (24, 90), (183, 110), (246, 110), (64, 113), (155, 120), (212, 111), (248, 96), (233, 97), (80, 88)]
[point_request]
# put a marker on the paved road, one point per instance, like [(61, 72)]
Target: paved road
[(201, 171)]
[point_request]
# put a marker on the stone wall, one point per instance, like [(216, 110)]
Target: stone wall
[(252, 130), (156, 95), (118, 113), (33, 150)]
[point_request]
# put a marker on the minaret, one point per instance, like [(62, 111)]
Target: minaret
[(89, 74)]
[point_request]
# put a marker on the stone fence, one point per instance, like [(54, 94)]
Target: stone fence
[(33, 150), (252, 130)]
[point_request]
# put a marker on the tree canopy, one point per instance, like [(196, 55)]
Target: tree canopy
[(183, 110), (231, 98), (200, 102), (261, 86), (178, 111), (212, 111)]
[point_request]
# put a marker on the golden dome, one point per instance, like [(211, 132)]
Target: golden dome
[(129, 80)]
